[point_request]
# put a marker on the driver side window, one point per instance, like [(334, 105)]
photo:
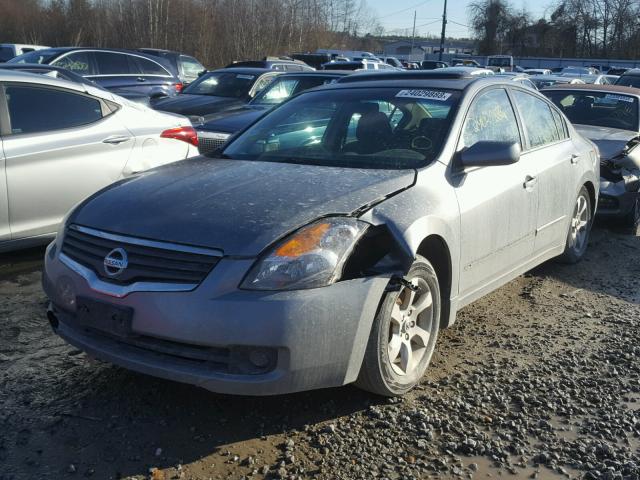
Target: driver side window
[(491, 118)]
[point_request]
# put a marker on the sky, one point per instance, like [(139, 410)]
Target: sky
[(397, 16)]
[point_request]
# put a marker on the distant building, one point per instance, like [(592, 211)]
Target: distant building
[(402, 48)]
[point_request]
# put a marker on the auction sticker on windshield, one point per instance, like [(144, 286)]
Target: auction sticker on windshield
[(426, 94)]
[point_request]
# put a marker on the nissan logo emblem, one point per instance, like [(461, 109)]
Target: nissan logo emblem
[(115, 262)]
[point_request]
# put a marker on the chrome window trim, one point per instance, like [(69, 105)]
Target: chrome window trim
[(148, 243), (120, 291)]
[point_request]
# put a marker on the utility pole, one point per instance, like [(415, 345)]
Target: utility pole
[(413, 35), (444, 29)]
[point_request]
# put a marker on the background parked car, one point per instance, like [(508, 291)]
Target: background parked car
[(537, 71), (187, 67), (359, 65), (11, 50), (119, 71), (542, 81), (63, 141), (609, 116), (630, 78), (218, 90), (432, 64), (216, 129), (273, 63), (314, 60)]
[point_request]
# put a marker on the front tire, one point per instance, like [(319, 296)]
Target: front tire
[(579, 229), (632, 219), (404, 334)]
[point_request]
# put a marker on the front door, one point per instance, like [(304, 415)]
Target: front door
[(498, 204)]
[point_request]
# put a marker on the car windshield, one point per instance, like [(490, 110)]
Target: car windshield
[(284, 87), (387, 128), (602, 109), (37, 56), (222, 84)]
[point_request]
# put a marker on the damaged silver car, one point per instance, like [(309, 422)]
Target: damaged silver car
[(330, 241), (609, 115)]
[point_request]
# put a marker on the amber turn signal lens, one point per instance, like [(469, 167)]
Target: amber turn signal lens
[(304, 242)]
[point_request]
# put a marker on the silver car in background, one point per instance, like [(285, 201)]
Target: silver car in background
[(63, 141), (330, 241)]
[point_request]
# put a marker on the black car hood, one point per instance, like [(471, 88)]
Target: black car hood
[(186, 104), (231, 121), (240, 207), (610, 141)]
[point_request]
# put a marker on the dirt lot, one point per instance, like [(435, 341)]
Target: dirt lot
[(539, 379)]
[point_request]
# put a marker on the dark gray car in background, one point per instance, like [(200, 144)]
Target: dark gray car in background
[(330, 241)]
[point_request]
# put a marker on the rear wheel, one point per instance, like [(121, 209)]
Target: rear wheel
[(404, 334), (578, 236)]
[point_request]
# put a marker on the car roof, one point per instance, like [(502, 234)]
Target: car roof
[(405, 81), (10, 75), (406, 75), (245, 70), (315, 73), (631, 71), (598, 88)]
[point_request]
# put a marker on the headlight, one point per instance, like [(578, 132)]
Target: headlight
[(311, 257)]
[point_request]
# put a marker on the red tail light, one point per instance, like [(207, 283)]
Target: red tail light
[(179, 87), (186, 134)]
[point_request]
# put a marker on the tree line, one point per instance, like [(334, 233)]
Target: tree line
[(575, 28), (215, 31)]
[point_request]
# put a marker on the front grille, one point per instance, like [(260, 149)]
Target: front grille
[(208, 142), (146, 263)]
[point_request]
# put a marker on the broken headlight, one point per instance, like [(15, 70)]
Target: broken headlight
[(311, 257)]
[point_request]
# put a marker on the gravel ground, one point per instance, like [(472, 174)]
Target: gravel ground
[(539, 379)]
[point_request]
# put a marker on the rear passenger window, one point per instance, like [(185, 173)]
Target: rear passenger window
[(560, 125), (77, 62), (149, 67), (490, 119), (539, 122), (112, 63), (37, 109)]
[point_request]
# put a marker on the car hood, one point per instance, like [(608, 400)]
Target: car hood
[(240, 207), (186, 104), (610, 141), (231, 121)]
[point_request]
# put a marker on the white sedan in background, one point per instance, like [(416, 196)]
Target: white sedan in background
[(62, 141)]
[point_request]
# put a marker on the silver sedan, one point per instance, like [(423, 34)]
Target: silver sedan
[(330, 241), (61, 142)]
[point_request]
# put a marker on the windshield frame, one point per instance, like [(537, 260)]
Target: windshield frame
[(226, 151)]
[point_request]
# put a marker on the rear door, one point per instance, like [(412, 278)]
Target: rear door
[(498, 204), (550, 150), (62, 146)]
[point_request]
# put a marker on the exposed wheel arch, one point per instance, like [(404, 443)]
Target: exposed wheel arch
[(435, 249)]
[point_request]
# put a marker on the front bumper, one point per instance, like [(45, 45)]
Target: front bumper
[(318, 335)]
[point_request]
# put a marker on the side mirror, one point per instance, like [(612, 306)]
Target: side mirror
[(489, 154)]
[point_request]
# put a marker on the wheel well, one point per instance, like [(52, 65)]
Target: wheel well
[(435, 249), (592, 194)]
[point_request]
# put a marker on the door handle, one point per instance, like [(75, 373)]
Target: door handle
[(530, 182), (141, 79), (574, 159), (116, 139)]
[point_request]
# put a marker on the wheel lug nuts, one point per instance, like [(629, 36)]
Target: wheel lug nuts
[(406, 336)]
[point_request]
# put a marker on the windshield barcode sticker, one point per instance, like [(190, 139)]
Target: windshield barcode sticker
[(426, 94), (620, 98)]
